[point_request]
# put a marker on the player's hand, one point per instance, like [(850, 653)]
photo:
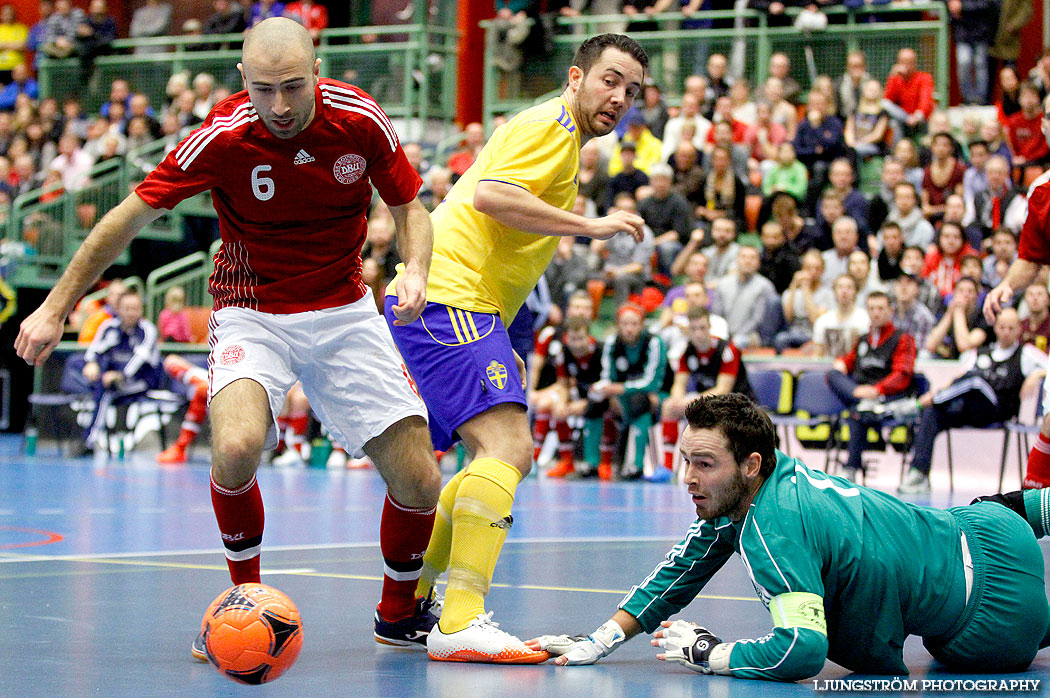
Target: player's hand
[(91, 371), (520, 363), (38, 335), (995, 299), (411, 298), (574, 650), (866, 392), (567, 650), (617, 222), (686, 643), (112, 379)]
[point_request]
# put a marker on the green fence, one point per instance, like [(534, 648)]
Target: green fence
[(191, 273), (673, 51), (410, 69)]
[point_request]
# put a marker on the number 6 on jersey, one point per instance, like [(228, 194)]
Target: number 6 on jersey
[(262, 187)]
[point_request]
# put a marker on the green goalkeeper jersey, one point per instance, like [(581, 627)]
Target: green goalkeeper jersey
[(846, 572)]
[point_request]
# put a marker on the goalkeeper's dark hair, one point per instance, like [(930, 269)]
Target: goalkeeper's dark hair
[(744, 424), (591, 49)]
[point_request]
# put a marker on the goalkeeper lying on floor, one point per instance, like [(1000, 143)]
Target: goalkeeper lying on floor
[(846, 572)]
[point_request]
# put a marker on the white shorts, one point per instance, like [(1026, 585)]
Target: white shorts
[(344, 357)]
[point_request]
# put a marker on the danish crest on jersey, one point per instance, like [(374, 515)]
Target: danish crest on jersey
[(349, 168), (497, 374)]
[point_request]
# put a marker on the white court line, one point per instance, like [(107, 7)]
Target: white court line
[(18, 557)]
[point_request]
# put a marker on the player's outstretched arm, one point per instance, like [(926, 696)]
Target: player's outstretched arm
[(688, 644), (1020, 274), (518, 208), (796, 648), (415, 244), (41, 331), (578, 650)]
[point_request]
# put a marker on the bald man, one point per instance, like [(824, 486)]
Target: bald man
[(290, 162), (909, 95)]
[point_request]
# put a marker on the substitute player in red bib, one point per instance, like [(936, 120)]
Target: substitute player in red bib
[(290, 163), (1033, 252)]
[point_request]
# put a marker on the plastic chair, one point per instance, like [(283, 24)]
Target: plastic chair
[(994, 426), (199, 318), (821, 407), (773, 389), (1022, 430), (73, 392), (752, 206)]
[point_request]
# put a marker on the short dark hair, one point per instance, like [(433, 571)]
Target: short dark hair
[(744, 424), (942, 134), (1029, 86), (878, 295), (951, 224), (980, 143), (577, 324), (969, 280), (591, 49), (1004, 231), (911, 186), (698, 313)]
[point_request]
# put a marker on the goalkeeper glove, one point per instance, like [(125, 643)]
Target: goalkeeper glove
[(688, 644), (580, 649)]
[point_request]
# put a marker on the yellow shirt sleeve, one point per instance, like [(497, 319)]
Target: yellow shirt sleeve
[(533, 155)]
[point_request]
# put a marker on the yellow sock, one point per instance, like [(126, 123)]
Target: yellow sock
[(480, 521), (435, 560)]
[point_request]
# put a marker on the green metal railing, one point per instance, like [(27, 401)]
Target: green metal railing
[(191, 273), (672, 50), (410, 69)]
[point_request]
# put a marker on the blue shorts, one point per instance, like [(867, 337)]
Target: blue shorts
[(462, 363)]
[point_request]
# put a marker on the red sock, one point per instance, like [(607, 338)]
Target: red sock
[(298, 423), (404, 533), (240, 516), (565, 444), (539, 432), (282, 430), (198, 407), (670, 442), (1037, 474), (610, 432), (187, 435)]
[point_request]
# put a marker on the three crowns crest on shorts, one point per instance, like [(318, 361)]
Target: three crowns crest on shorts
[(497, 374)]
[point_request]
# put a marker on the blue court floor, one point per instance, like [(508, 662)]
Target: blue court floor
[(107, 566)]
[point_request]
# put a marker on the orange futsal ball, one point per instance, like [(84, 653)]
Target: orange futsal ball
[(252, 633)]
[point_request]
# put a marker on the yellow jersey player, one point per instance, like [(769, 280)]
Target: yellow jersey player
[(494, 235)]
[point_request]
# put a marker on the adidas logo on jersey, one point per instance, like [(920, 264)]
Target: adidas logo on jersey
[(302, 157)]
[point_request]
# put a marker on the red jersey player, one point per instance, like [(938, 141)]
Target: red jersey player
[(1033, 252), (289, 163)]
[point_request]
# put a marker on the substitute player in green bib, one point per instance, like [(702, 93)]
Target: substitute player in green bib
[(494, 235), (847, 573)]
